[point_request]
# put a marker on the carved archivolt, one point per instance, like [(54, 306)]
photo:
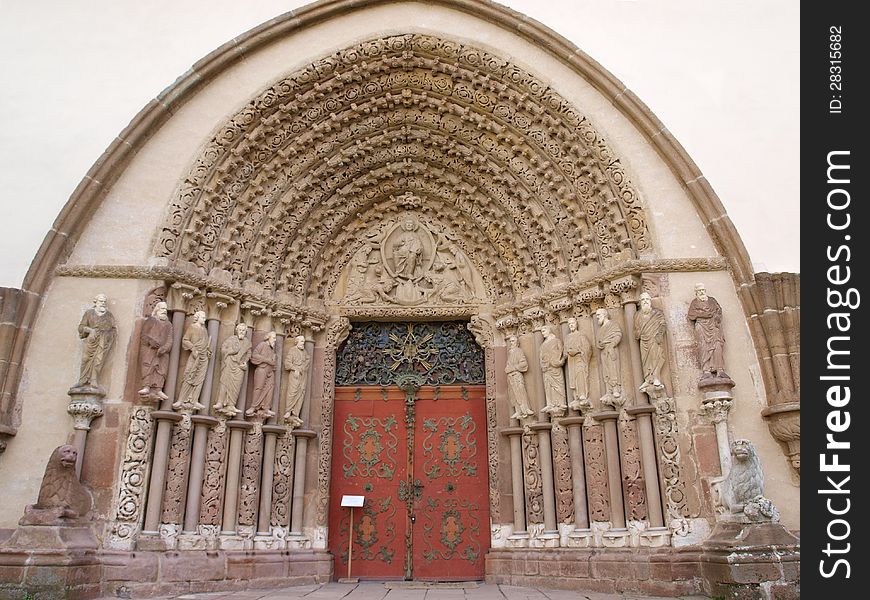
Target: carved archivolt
[(281, 197)]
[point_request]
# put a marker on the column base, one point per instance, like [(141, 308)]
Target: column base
[(519, 539), (581, 538), (298, 541), (616, 538)]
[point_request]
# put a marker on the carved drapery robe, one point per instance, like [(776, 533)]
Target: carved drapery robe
[(235, 354), (98, 331), (649, 328), (263, 359), (515, 368), (579, 351), (296, 363), (707, 318), (552, 358), (154, 346), (609, 336), (196, 340)]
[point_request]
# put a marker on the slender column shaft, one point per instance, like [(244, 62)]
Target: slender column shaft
[(201, 425), (724, 446), (629, 310), (230, 521), (178, 317), (79, 441), (515, 438), (539, 379), (650, 472), (298, 506), (213, 327), (546, 455), (644, 425), (164, 430), (154, 508), (578, 475), (200, 436), (264, 515), (614, 477)]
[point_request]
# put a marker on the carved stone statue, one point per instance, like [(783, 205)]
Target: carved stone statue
[(62, 500), (97, 328), (609, 336), (235, 352), (579, 351), (742, 490), (263, 359), (649, 329), (296, 363), (515, 368), (706, 314), (196, 340), (155, 342), (552, 357)]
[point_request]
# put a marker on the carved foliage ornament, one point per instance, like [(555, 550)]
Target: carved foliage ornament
[(274, 196)]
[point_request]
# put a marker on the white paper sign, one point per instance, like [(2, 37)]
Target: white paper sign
[(354, 501)]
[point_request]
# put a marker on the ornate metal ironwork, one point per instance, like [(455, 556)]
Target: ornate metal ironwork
[(438, 353)]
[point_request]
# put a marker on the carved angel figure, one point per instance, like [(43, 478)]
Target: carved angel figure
[(649, 329), (515, 368), (609, 336), (62, 498), (263, 359), (196, 340), (235, 352), (296, 363), (97, 329), (552, 357), (155, 342), (579, 351)]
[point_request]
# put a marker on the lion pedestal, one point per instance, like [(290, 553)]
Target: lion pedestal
[(749, 555), (52, 553)]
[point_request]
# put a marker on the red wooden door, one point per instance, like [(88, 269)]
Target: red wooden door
[(369, 458), (426, 514), (451, 518)]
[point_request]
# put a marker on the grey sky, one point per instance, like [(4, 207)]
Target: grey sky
[(722, 76)]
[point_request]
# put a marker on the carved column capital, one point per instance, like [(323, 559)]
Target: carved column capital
[(627, 288), (84, 408), (179, 294), (717, 410), (216, 303)]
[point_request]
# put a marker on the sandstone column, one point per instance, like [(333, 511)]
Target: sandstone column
[(202, 423), (643, 420), (178, 296), (302, 435), (271, 431), (238, 427), (550, 535)]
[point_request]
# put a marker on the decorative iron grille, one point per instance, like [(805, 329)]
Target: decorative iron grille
[(439, 353)]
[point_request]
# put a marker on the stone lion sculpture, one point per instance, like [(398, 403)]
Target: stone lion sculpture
[(62, 498), (742, 490)]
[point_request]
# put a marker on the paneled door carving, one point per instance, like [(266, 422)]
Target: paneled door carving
[(416, 451)]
